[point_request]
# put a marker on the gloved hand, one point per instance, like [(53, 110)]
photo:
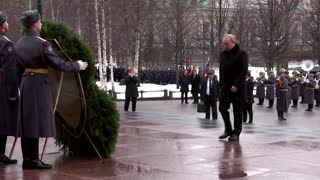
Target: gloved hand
[(82, 65)]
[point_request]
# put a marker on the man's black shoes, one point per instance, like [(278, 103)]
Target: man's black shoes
[(35, 164), (224, 135), (234, 137), (4, 159)]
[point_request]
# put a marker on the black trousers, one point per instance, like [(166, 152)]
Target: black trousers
[(261, 100), (195, 97), (224, 107), (127, 102), (211, 104), (184, 96), (247, 109), (3, 142), (30, 148)]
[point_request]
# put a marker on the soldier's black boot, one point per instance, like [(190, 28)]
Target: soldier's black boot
[(234, 137), (4, 159), (317, 103), (270, 103), (282, 118), (295, 103), (310, 107)]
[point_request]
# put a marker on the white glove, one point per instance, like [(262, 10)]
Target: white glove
[(82, 65)]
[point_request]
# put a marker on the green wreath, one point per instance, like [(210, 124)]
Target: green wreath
[(102, 120)]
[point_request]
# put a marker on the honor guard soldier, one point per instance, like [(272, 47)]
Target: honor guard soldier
[(36, 119), (294, 84), (8, 90), (249, 98), (289, 88), (317, 90), (271, 84), (260, 82), (281, 93), (310, 84)]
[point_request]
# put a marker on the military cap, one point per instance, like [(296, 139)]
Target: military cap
[(29, 17), (3, 18), (282, 70)]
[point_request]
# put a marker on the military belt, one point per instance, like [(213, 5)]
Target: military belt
[(284, 90), (309, 88), (271, 84), (36, 70)]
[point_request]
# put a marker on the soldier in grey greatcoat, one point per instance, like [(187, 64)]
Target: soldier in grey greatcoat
[(36, 119), (260, 83), (317, 90), (309, 92), (301, 86), (294, 84), (270, 92), (289, 88), (281, 93), (8, 90)]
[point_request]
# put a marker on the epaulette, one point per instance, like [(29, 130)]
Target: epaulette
[(41, 38), (6, 38)]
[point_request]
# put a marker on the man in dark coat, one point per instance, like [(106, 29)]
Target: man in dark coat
[(294, 84), (317, 90), (184, 82), (36, 119), (249, 98), (261, 93), (233, 70), (281, 93), (270, 92), (8, 90), (132, 83), (209, 91), (310, 84), (195, 86)]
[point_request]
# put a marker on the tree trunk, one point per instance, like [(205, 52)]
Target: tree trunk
[(96, 2), (110, 48), (104, 42)]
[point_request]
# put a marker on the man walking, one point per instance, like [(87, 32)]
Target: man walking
[(233, 69)]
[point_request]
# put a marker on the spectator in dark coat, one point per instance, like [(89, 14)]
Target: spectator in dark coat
[(195, 86), (184, 82), (210, 92), (132, 83), (233, 70), (249, 98)]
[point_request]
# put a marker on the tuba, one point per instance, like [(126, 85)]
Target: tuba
[(307, 66)]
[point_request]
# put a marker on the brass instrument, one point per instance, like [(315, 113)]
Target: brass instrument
[(260, 80)]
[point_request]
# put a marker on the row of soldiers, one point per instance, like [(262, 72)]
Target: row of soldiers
[(161, 75), (299, 85)]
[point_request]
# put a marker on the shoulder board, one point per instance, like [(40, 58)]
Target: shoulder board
[(41, 38), (6, 38)]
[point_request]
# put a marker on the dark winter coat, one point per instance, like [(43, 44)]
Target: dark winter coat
[(282, 95), (249, 90), (184, 82), (309, 92), (214, 89), (132, 84), (36, 107), (8, 88), (271, 85), (195, 83), (233, 70)]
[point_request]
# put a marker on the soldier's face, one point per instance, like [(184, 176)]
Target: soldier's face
[(5, 27), (38, 25)]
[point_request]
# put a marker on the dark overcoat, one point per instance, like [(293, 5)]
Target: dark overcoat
[(249, 90), (9, 99), (36, 118), (309, 92), (294, 84), (261, 92), (184, 82), (233, 70), (195, 83), (271, 85), (282, 95), (317, 92), (132, 84)]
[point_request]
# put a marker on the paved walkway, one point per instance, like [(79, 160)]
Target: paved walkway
[(167, 140)]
